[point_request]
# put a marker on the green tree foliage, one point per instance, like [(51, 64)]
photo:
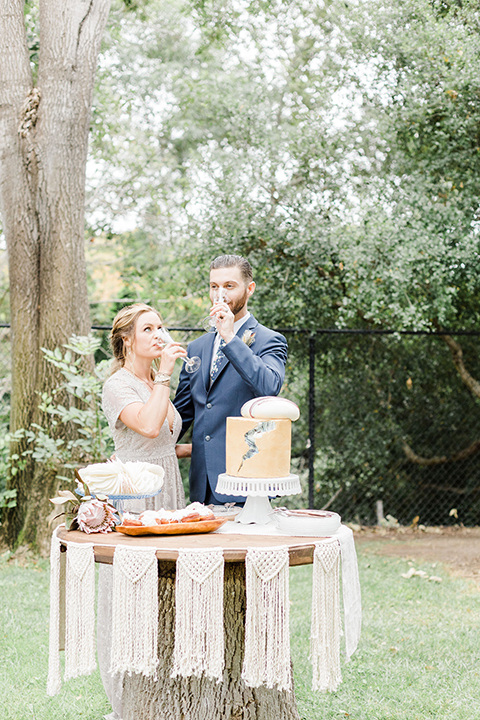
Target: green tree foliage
[(85, 437), (422, 87), (336, 146), (222, 138)]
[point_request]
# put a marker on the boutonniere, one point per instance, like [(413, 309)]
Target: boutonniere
[(248, 337)]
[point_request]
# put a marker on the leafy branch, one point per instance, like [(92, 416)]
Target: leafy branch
[(86, 437)]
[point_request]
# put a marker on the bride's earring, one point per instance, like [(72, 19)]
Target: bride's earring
[(129, 355)]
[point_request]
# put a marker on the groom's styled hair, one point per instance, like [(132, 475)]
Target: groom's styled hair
[(224, 261)]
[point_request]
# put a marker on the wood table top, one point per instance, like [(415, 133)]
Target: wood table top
[(234, 546)]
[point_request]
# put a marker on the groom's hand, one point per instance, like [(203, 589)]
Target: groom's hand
[(225, 320), (184, 450)]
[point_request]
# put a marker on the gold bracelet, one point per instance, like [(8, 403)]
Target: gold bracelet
[(162, 378)]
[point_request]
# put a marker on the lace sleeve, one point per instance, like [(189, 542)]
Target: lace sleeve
[(117, 394)]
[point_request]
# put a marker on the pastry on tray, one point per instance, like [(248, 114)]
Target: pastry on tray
[(192, 519)]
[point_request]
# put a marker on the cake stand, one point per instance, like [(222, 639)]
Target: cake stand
[(257, 508)]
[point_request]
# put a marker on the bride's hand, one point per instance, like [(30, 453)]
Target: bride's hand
[(170, 353)]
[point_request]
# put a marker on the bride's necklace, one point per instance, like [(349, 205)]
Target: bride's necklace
[(149, 384)]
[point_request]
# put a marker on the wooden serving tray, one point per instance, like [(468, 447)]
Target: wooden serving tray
[(188, 528)]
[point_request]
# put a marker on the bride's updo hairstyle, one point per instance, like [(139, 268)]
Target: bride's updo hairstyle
[(123, 328)]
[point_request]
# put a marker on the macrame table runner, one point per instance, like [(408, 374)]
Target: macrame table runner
[(267, 633), (77, 605), (325, 629), (134, 611), (199, 635)]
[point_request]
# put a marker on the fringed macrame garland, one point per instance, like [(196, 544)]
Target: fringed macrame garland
[(199, 635), (267, 633), (54, 680), (134, 611), (326, 621), (80, 611)]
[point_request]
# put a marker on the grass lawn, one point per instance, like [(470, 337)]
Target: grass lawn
[(419, 656)]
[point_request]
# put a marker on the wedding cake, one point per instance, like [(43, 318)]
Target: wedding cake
[(258, 447), (258, 450), (258, 444)]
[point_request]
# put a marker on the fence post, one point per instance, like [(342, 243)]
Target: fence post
[(379, 507), (311, 417)]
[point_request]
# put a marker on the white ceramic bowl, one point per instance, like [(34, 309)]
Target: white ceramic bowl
[(317, 523)]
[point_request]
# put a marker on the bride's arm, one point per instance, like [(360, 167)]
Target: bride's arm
[(148, 418)]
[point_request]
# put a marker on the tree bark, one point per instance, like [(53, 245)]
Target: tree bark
[(440, 459), (43, 152), (457, 356), (199, 698)]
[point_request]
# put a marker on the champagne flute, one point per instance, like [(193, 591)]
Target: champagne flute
[(210, 322), (191, 363)]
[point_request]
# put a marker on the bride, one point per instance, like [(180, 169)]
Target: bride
[(145, 426)]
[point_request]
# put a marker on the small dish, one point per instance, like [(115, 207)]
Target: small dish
[(308, 523)]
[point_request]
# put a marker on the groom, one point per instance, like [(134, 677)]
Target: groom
[(241, 361)]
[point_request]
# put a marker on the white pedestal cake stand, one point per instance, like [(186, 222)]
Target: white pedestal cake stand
[(257, 508)]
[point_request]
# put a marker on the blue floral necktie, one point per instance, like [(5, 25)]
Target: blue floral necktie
[(219, 355)]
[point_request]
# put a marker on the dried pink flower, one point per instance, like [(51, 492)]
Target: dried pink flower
[(95, 516)]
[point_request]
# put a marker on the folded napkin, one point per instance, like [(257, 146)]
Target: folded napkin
[(116, 478)]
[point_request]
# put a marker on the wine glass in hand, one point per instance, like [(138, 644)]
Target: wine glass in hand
[(210, 322), (191, 363)]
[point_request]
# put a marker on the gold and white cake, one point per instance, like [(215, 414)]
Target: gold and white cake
[(258, 452)]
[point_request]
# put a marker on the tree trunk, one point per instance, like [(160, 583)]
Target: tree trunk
[(43, 152), (474, 387), (199, 698)]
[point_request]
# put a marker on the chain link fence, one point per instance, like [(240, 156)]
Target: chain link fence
[(387, 426), (394, 428)]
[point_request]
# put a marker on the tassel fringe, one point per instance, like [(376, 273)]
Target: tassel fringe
[(199, 635), (326, 623), (134, 611), (267, 633)]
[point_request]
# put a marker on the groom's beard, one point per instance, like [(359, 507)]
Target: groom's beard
[(238, 306)]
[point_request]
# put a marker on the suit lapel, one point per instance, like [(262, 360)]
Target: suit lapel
[(251, 324), (207, 360)]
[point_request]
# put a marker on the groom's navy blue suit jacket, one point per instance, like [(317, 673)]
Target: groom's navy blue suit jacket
[(245, 373)]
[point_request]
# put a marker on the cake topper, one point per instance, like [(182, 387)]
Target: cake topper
[(270, 408)]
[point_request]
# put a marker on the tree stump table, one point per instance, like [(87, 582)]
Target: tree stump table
[(195, 698)]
